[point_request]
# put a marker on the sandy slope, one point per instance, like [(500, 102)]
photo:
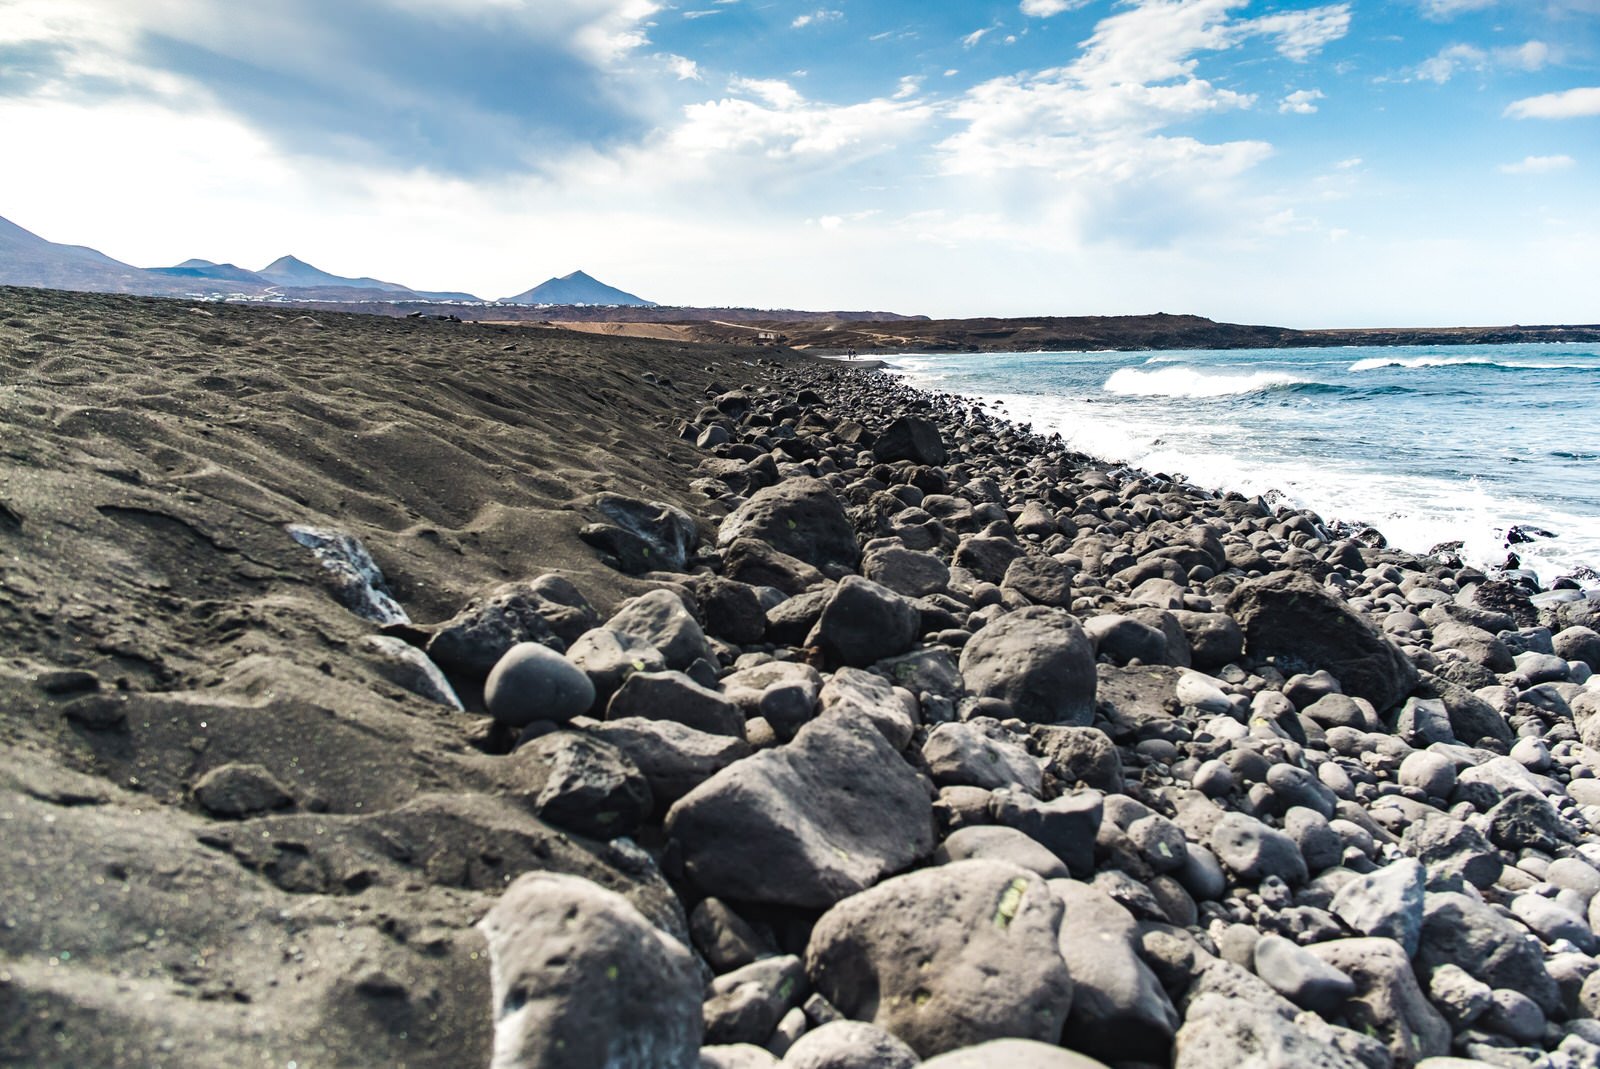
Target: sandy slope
[(157, 622)]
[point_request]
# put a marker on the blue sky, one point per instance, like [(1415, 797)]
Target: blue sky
[(1368, 162)]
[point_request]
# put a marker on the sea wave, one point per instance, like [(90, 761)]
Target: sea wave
[(1412, 363), (1187, 382)]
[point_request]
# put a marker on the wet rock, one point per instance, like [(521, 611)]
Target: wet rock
[(1288, 616), (1039, 661), (919, 955), (807, 824), (580, 977), (533, 682), (799, 517), (674, 697)]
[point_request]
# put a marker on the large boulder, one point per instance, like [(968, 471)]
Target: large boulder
[(1038, 660), (1289, 617), (1387, 1003), (864, 622), (947, 957), (581, 978), (1458, 930), (1119, 1010), (800, 517), (806, 824), (910, 438), (661, 619)]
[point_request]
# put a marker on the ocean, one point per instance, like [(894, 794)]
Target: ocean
[(1428, 444)]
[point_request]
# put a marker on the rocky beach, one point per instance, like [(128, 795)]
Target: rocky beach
[(408, 692)]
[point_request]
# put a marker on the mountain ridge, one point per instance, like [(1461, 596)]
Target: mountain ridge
[(579, 288)]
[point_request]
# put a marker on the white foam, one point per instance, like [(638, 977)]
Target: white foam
[(1412, 363), (1188, 382)]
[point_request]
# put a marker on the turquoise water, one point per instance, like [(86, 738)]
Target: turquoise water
[(1427, 444)]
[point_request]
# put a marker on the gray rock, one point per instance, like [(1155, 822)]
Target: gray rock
[(1124, 639), (910, 438), (753, 562), (906, 571), (1457, 930), (674, 759), (799, 517), (1340, 711), (1160, 842), (1459, 998), (1525, 820), (1388, 1004), (1039, 661), (1255, 851), (1041, 580), (238, 790), (862, 695), (1578, 644), (986, 557), (807, 824), (580, 977), (1320, 846), (783, 693), (1066, 826), (609, 657), (1430, 773), (1294, 786), (980, 753), (351, 573), (746, 1004), (920, 954), (1300, 976), (729, 610), (1214, 638), (1013, 1054), (647, 536), (1550, 921), (863, 622), (404, 665), (533, 682), (1074, 755), (724, 938), (1423, 722), (592, 788), (1515, 1016), (1288, 616), (1202, 875), (1453, 852), (996, 843), (674, 697), (1238, 1033), (1119, 1010), (661, 619), (850, 1045), (1387, 903), (475, 639)]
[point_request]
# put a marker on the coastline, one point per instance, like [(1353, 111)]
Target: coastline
[(871, 677)]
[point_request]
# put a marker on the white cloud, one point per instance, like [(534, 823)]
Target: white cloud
[(780, 124), (1302, 34), (686, 69), (1300, 102), (1569, 104), (1449, 9), (1043, 9), (818, 16), (971, 40), (1444, 65), (1539, 165), (908, 87)]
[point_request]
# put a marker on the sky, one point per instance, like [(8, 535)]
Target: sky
[(1358, 163)]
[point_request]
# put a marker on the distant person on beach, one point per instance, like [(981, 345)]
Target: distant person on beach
[(852, 353)]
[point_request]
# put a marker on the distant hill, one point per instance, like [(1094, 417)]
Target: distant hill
[(207, 269), (578, 288), (294, 272), (26, 259)]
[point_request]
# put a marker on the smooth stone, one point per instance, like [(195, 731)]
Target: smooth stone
[(1254, 851), (996, 843), (533, 682), (1119, 1009), (1300, 976)]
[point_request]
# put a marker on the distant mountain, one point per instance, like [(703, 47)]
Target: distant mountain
[(26, 259), (578, 288), (207, 269), (294, 272)]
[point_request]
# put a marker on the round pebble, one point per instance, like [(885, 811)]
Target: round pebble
[(533, 682)]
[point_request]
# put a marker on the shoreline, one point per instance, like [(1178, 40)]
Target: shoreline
[(347, 653)]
